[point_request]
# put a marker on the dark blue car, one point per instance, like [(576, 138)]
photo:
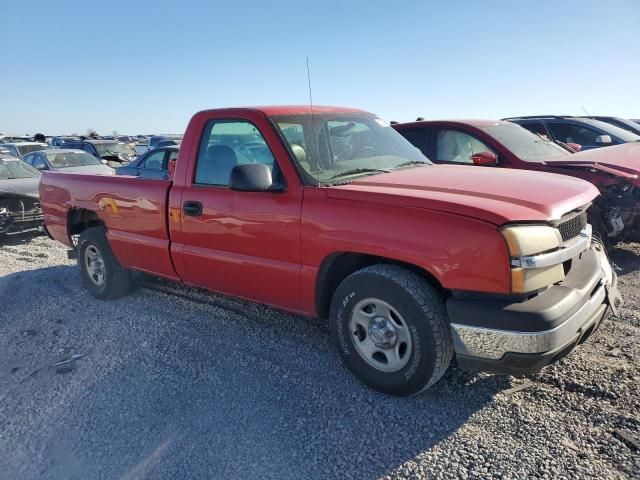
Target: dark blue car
[(586, 132)]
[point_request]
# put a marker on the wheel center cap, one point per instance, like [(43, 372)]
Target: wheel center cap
[(382, 332)]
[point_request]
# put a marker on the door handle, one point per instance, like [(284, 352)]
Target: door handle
[(193, 209)]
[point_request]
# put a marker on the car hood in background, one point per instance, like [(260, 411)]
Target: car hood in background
[(21, 186), (494, 195), (96, 169), (622, 160)]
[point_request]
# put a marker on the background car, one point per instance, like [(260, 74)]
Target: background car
[(19, 200), (168, 142), (56, 142), (586, 132), (153, 164), (615, 214), (115, 153), (153, 141), (629, 125), (20, 149), (68, 161)]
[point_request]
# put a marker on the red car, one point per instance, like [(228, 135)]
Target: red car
[(615, 215), (331, 213)]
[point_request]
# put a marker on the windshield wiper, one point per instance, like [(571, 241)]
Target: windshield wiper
[(412, 162), (356, 171)]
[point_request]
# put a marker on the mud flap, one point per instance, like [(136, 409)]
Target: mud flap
[(614, 298)]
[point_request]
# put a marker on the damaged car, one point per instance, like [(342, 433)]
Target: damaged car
[(615, 170), (19, 200), (114, 153)]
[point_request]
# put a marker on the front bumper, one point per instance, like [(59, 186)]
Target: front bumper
[(20, 222), (521, 337)]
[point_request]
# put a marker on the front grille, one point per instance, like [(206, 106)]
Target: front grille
[(571, 225), (20, 215)]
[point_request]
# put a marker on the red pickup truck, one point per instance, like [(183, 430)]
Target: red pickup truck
[(331, 213)]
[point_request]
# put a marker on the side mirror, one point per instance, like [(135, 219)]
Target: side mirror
[(251, 177), (172, 168), (603, 139), (484, 159), (41, 166), (576, 147)]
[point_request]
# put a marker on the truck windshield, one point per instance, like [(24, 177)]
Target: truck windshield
[(14, 169), (341, 147), (525, 145), (71, 159)]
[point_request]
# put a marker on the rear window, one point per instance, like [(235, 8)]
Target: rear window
[(71, 159), (24, 149)]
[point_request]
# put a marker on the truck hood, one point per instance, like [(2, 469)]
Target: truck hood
[(620, 160), (21, 186), (494, 195)]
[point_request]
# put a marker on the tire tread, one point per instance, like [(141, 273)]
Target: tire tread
[(432, 306), (119, 280)]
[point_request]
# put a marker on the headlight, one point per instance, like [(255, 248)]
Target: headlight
[(528, 240)]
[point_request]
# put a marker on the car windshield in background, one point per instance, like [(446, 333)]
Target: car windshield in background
[(24, 149), (14, 169), (113, 149), (525, 145), (621, 133), (71, 159), (339, 147)]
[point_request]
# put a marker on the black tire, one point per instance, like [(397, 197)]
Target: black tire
[(418, 304), (594, 217), (117, 280)]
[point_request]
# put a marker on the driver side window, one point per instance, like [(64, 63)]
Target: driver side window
[(456, 146), (227, 143), (38, 162), (154, 161)]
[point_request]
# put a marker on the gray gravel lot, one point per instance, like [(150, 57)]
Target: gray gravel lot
[(171, 382)]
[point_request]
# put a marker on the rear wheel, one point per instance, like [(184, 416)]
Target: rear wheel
[(391, 329), (101, 273)]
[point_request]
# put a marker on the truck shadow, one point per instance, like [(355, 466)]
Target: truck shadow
[(201, 383), (626, 260), (19, 238)]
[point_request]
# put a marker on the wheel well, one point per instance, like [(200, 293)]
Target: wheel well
[(337, 267), (79, 219)]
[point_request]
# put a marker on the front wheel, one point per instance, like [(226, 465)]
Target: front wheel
[(391, 329), (101, 273)]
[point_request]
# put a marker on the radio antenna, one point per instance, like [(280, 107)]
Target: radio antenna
[(309, 84), (313, 123), (585, 111)]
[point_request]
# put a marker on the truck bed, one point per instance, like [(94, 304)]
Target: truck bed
[(133, 210)]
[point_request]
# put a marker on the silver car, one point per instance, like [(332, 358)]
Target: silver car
[(68, 161)]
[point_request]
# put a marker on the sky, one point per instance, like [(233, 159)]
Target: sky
[(148, 66)]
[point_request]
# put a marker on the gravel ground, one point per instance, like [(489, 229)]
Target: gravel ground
[(170, 382)]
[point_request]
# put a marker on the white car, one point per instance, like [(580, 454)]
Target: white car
[(19, 150), (68, 161)]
